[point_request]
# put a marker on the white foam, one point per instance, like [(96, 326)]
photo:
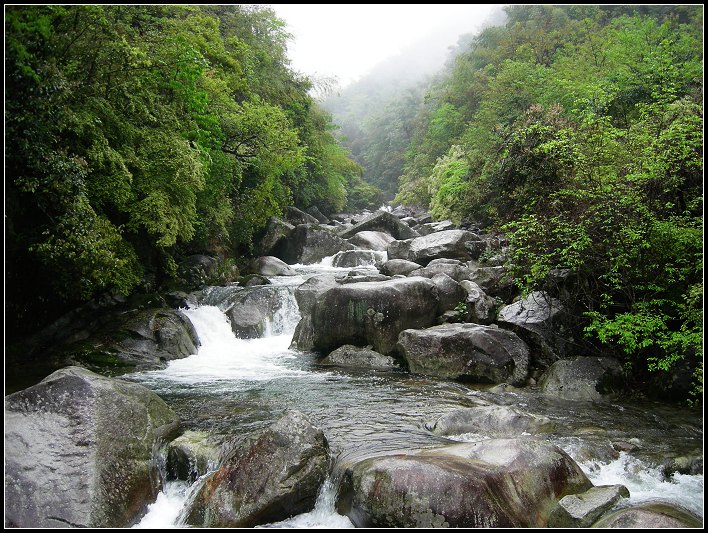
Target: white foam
[(646, 483), (167, 507), (221, 356)]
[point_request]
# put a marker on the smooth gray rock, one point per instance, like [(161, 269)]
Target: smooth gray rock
[(583, 378), (432, 227), (372, 313), (535, 319), (310, 243), (306, 295), (650, 515), (491, 420), (395, 267), (448, 244), (270, 477), (481, 308), (468, 352), (449, 292), (494, 281), (582, 510), (78, 451), (355, 258), (275, 234), (353, 356), (372, 240), (295, 216), (456, 270), (271, 266), (382, 221), (493, 483)]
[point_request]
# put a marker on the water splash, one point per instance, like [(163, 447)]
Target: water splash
[(646, 482), (165, 511), (223, 357)]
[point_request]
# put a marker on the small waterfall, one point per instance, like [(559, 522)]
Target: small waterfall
[(285, 317), (324, 515), (647, 483)]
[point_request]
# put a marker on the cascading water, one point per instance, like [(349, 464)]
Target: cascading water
[(236, 386)]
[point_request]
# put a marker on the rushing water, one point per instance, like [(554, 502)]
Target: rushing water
[(233, 387)]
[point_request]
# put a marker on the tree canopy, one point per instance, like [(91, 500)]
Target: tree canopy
[(138, 134)]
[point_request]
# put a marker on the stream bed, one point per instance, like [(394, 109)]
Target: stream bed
[(233, 387)]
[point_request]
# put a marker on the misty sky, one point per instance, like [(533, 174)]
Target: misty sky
[(346, 41)]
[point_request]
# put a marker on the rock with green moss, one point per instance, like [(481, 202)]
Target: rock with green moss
[(493, 483), (79, 451), (191, 455), (467, 352), (270, 477), (143, 340)]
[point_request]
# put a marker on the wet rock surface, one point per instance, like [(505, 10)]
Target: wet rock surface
[(494, 483), (469, 352), (271, 476), (78, 451)]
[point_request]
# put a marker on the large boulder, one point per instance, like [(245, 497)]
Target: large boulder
[(583, 378), (295, 216), (271, 266), (277, 231), (372, 240), (449, 292), (450, 244), (467, 352), (310, 243), (79, 451), (492, 483), (535, 319), (306, 295), (650, 516), (141, 339), (491, 420), (398, 267), (315, 212), (372, 313), (451, 267), (270, 477), (494, 281), (353, 356), (432, 227), (253, 310), (481, 308), (582, 510), (355, 258), (385, 222)]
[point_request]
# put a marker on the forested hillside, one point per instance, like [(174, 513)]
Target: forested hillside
[(136, 135), (577, 132)]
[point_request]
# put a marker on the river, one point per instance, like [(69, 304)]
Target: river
[(234, 387)]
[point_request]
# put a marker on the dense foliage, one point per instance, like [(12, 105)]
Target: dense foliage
[(577, 130), (136, 135)]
